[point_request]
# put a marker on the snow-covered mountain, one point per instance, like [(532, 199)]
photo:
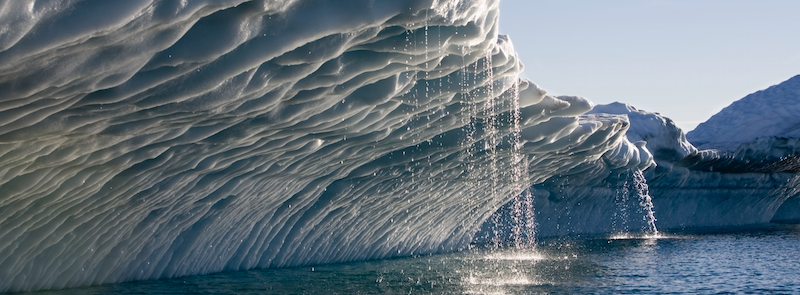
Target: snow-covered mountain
[(770, 113)]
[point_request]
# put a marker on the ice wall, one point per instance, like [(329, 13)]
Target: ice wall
[(152, 139)]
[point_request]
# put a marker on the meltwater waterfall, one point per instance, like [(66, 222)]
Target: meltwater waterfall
[(155, 139), (633, 198), (646, 202)]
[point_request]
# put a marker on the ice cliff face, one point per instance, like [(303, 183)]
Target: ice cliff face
[(153, 139)]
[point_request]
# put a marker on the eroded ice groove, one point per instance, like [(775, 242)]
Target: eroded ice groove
[(154, 139)]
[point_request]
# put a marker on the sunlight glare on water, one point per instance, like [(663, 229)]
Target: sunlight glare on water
[(629, 236), (514, 254)]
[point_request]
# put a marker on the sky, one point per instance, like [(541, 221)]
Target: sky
[(685, 59)]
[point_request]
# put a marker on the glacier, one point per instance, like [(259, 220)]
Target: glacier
[(154, 138)]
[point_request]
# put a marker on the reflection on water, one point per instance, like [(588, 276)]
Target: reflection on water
[(757, 260)]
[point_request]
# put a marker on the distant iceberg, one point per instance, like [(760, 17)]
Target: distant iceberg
[(154, 139), (746, 172), (763, 129)]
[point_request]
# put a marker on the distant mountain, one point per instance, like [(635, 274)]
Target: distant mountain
[(770, 113)]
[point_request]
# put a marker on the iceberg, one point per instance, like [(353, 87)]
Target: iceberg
[(154, 139)]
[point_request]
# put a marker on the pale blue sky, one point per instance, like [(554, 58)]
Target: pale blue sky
[(684, 59)]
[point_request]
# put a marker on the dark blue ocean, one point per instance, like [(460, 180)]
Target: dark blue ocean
[(753, 260)]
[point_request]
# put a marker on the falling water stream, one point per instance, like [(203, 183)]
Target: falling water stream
[(633, 191), (523, 227), (646, 201), (619, 222)]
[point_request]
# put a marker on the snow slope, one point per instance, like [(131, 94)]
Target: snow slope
[(772, 112), (150, 139)]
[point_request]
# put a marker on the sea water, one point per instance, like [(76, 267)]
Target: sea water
[(759, 260)]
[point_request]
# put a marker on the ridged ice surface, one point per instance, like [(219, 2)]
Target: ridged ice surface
[(151, 139)]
